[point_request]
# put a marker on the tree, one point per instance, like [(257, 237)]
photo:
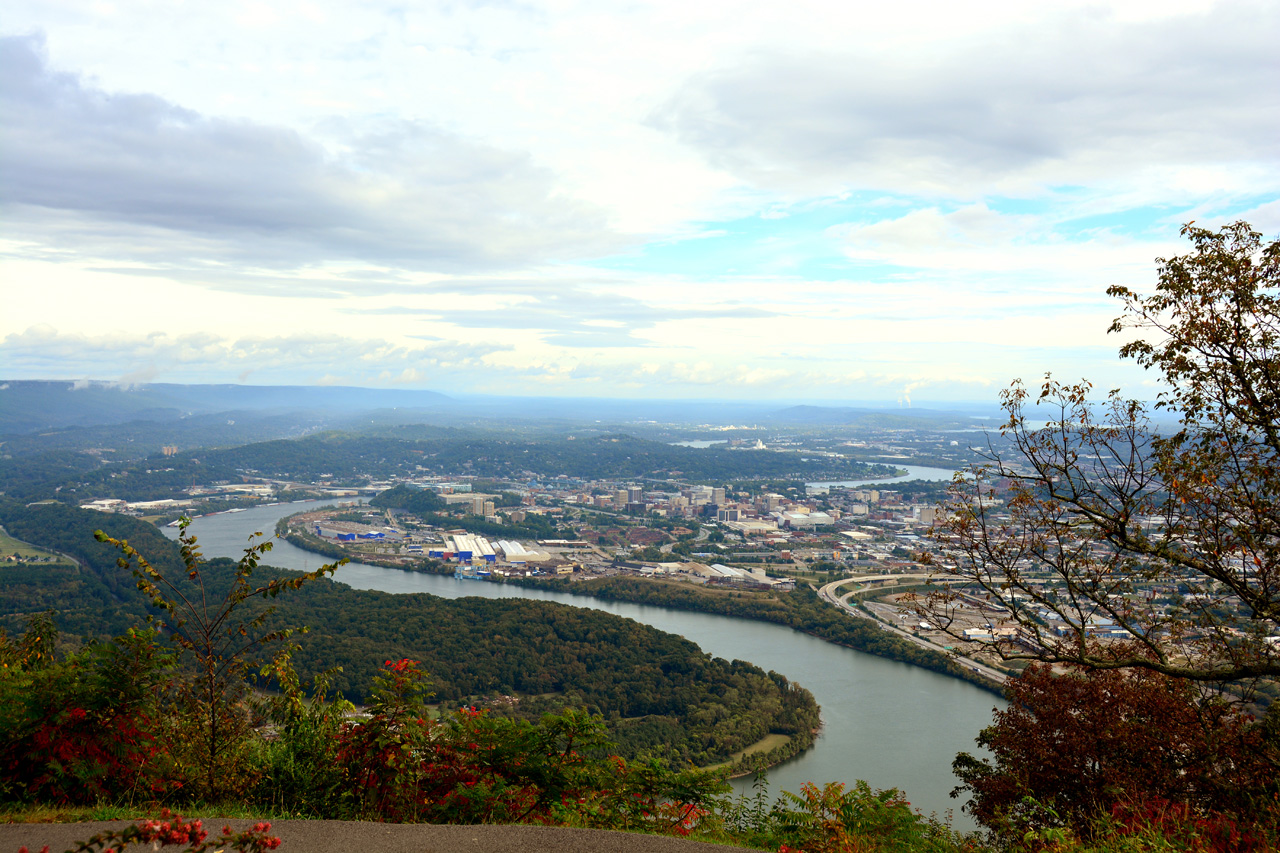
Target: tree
[(1070, 748), (219, 638), (1100, 520), (86, 727)]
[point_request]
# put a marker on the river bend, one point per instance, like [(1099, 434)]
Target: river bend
[(889, 723)]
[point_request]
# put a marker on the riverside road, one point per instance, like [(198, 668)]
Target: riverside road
[(829, 594)]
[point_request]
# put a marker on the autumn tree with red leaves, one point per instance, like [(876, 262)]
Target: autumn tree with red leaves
[(1071, 748)]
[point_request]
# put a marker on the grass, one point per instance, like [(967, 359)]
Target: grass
[(9, 545), (28, 813), (766, 744)]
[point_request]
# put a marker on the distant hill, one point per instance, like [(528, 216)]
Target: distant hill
[(33, 405), (888, 418), (37, 406)]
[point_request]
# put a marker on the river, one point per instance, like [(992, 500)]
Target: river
[(914, 472), (889, 723)]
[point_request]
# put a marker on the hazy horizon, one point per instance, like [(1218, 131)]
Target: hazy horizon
[(781, 402)]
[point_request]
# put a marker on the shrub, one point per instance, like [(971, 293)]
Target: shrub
[(86, 728), (832, 819), (220, 636), (171, 830), (297, 763), (1071, 748), (473, 767)]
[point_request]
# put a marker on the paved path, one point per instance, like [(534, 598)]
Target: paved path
[(337, 836)]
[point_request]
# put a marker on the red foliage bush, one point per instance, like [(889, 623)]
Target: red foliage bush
[(170, 830), (1071, 748), (84, 729), (1195, 833)]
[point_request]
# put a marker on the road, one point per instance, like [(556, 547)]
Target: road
[(830, 594), (330, 836), (68, 557), (702, 535)]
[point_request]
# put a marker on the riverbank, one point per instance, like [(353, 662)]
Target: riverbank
[(770, 751), (299, 538), (800, 610)]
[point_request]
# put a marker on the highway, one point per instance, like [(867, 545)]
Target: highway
[(831, 595), (703, 532)]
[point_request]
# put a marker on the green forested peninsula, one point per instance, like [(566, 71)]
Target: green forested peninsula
[(658, 691), (660, 694), (94, 600)]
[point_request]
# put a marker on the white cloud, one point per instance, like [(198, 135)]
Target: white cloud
[(976, 238), (1265, 218), (1068, 98), (89, 169), (453, 195), (877, 370), (204, 357)]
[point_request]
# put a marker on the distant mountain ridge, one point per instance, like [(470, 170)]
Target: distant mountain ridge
[(844, 415), (31, 405)]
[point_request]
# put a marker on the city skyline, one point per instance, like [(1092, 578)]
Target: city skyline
[(660, 201)]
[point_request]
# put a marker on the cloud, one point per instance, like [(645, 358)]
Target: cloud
[(1063, 99), (720, 378), (930, 229), (572, 315), (814, 197), (140, 376), (836, 370), (1264, 218), (41, 351), (133, 175), (980, 250)]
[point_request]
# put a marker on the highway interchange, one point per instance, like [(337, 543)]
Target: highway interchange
[(831, 594)]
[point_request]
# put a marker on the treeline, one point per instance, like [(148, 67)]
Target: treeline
[(354, 458), (416, 501), (800, 609), (94, 600), (38, 477), (659, 692), (138, 439), (312, 543)]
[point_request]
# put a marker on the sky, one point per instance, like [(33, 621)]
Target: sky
[(811, 201)]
